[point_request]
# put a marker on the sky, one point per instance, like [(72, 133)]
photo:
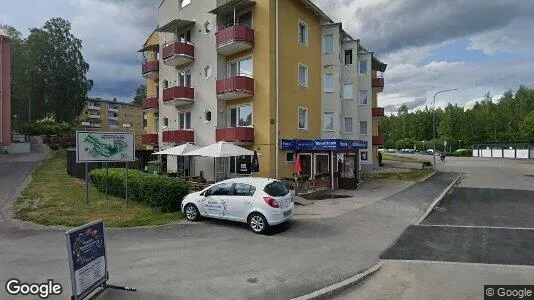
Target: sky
[(476, 46)]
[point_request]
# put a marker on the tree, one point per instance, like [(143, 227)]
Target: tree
[(527, 127), (58, 70), (140, 94)]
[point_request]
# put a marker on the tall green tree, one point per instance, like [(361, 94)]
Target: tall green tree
[(140, 94)]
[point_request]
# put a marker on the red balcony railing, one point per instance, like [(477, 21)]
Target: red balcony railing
[(234, 38), (378, 82), (150, 103), (235, 87), (179, 136), (378, 111), (149, 139), (235, 134), (178, 53), (178, 95), (150, 66), (379, 140)]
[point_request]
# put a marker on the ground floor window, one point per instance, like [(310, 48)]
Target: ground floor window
[(306, 164), (364, 156), (322, 164), (346, 165), (240, 165)]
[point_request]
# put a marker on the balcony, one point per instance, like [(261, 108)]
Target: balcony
[(378, 83), (95, 125), (179, 136), (234, 39), (149, 139), (379, 140), (239, 135), (150, 104), (113, 109), (378, 111), (113, 118), (178, 54), (235, 87), (151, 69), (93, 107), (178, 95), (94, 116)]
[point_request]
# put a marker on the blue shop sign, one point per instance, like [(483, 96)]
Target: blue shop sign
[(323, 145)]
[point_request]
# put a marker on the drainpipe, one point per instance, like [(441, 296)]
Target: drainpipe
[(277, 127)]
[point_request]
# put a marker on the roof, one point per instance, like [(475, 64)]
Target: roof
[(3, 33), (316, 10), (111, 101)]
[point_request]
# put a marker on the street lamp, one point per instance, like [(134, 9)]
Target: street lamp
[(434, 122)]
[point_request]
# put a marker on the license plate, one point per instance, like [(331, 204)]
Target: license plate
[(287, 213)]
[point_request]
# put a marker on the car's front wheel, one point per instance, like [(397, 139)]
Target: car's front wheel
[(258, 223), (191, 213)]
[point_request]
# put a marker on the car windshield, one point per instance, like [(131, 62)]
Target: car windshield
[(276, 189)]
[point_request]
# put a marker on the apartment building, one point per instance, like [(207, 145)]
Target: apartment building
[(252, 73), (5, 91), (110, 115)]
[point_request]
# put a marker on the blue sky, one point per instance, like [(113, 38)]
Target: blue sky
[(476, 46)]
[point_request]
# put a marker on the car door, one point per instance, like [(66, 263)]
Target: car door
[(214, 204), (240, 203)]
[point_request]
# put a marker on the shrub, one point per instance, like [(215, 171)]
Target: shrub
[(53, 147), (157, 191), (46, 128), (462, 153)]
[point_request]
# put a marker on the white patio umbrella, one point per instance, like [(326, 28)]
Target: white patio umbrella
[(220, 150), (178, 150)]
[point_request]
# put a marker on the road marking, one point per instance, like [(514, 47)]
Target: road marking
[(438, 199), (474, 226), (385, 261)]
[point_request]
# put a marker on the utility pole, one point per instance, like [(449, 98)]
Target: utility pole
[(434, 122)]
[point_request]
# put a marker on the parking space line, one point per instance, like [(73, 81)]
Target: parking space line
[(474, 226)]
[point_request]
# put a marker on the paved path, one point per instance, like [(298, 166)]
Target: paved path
[(486, 222), (221, 260)]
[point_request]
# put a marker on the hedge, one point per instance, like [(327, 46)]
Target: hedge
[(46, 128), (155, 191), (461, 153)]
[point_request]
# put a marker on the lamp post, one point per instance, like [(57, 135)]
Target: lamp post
[(434, 122), (126, 126)]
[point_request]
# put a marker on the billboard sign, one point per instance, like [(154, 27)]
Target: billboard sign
[(87, 258), (94, 146)]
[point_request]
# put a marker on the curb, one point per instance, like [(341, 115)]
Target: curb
[(340, 286), (438, 199)]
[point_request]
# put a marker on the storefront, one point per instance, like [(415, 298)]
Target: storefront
[(336, 159)]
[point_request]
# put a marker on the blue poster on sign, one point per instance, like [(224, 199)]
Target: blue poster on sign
[(323, 145), (87, 258)]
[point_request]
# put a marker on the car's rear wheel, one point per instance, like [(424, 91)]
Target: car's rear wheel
[(191, 213), (258, 223)]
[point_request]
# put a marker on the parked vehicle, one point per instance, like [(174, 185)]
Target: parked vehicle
[(260, 202)]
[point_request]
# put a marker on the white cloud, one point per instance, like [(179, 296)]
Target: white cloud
[(513, 38)]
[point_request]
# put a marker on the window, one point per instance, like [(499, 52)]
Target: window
[(303, 118), (243, 67), (363, 67), (363, 156), (207, 116), (246, 18), (184, 3), (185, 120), (321, 164), (185, 37), (207, 27), (276, 189), (328, 83), (303, 33), (363, 97), (328, 43), (363, 127), (348, 124), (165, 84), (348, 57), (165, 122), (290, 157), (241, 189), (240, 164), (328, 121), (145, 122), (184, 78), (223, 189), (208, 71), (348, 93), (156, 123), (303, 76), (241, 116)]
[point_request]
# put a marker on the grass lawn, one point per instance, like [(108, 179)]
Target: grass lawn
[(55, 198), (412, 175), (393, 157)]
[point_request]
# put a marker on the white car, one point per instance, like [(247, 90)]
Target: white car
[(260, 202)]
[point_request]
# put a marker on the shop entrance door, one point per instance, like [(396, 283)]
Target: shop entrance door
[(348, 171)]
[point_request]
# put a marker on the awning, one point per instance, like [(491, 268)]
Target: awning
[(377, 65), (323, 145), (174, 25), (221, 149), (178, 150), (228, 7)]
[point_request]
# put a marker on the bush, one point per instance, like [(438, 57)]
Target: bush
[(461, 153), (46, 128), (53, 147), (156, 191)]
